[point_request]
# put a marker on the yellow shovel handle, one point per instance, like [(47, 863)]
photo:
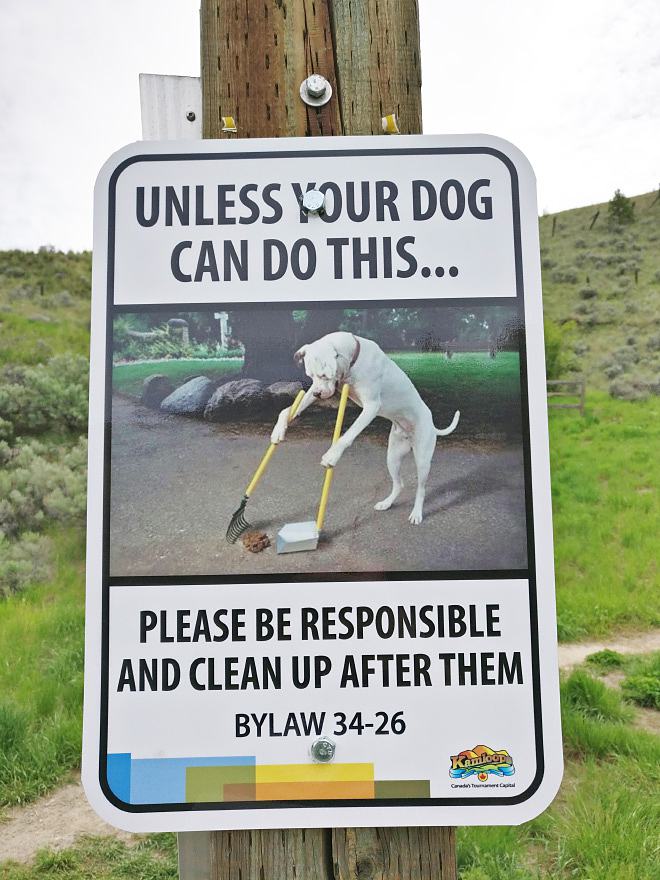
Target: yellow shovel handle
[(325, 491), (258, 474)]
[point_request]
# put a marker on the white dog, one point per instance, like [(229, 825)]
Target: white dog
[(381, 389)]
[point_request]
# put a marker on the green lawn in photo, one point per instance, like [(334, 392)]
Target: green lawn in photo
[(128, 378), (433, 372), (486, 390)]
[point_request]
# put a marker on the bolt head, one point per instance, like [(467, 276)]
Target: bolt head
[(190, 116), (313, 201), (315, 90), (316, 85), (323, 750)]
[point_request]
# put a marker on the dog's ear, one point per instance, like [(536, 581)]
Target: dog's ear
[(300, 354)]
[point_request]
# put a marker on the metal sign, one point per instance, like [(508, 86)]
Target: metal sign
[(371, 640)]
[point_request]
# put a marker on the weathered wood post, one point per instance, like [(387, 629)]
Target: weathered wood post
[(254, 56)]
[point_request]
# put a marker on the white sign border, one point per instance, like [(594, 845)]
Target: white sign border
[(489, 811)]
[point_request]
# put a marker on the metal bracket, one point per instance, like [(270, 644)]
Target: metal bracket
[(171, 107)]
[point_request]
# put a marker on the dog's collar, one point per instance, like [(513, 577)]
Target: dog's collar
[(356, 353)]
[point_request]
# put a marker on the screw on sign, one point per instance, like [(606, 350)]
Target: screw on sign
[(323, 750), (313, 202)]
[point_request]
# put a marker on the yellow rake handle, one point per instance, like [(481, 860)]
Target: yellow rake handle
[(258, 474), (325, 491)]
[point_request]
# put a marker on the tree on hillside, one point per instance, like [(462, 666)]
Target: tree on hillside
[(620, 210)]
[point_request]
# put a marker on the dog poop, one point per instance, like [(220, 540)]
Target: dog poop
[(255, 542)]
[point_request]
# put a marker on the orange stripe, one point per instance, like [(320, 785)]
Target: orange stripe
[(308, 791)]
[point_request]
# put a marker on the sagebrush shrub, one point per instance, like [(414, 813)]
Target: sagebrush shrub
[(23, 561), (587, 292), (49, 397), (38, 483), (567, 275)]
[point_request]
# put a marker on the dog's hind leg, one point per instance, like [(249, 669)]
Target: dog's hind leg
[(423, 452), (397, 449)]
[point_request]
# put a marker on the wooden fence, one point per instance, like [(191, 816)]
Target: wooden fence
[(567, 388)]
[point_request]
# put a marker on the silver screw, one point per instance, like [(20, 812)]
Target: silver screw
[(313, 201), (323, 750), (315, 90), (190, 116)]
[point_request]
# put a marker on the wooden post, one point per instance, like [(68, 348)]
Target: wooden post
[(256, 53), (254, 56)]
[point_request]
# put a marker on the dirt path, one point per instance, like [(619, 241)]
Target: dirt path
[(58, 819), (53, 822), (638, 643)]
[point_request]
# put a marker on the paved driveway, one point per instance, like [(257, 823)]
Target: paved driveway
[(176, 482)]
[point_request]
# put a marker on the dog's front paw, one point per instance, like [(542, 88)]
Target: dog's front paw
[(415, 517), (278, 433), (331, 457)]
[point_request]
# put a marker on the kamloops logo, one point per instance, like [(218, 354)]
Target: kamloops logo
[(481, 761)]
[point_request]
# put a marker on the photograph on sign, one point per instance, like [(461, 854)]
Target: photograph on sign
[(319, 587), (167, 509)]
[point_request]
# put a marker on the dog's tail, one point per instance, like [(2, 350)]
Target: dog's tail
[(442, 432)]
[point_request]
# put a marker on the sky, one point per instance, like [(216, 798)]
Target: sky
[(575, 84)]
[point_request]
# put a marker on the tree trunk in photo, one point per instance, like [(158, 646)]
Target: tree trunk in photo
[(319, 322), (269, 337)]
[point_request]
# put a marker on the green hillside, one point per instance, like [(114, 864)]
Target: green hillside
[(603, 285), (44, 305)]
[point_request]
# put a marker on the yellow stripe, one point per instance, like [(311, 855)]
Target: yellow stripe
[(314, 773), (312, 791)]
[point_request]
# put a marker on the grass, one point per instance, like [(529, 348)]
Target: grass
[(430, 372), (604, 827), (606, 660), (642, 682), (44, 305), (603, 824), (41, 667), (25, 341), (605, 474), (486, 390), (592, 699), (128, 378), (102, 858)]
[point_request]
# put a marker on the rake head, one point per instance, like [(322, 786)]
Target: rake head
[(237, 524)]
